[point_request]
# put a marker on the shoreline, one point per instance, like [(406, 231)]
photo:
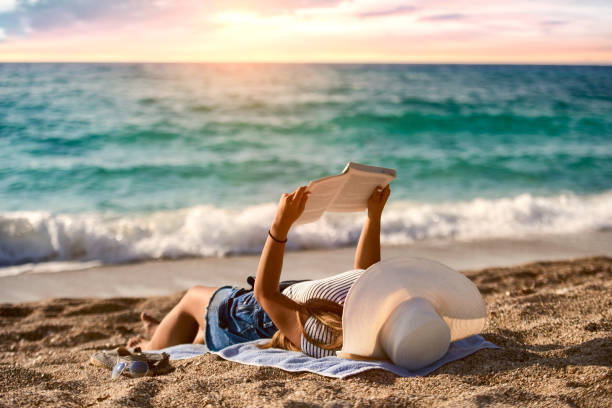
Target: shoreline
[(163, 277)]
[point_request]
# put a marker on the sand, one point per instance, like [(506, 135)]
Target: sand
[(553, 321)]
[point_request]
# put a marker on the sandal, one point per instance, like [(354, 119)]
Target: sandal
[(131, 362)]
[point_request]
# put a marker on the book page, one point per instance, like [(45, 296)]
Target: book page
[(357, 190), (322, 194), (348, 191)]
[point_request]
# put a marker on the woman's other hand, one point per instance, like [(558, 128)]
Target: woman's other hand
[(290, 207), (377, 201)]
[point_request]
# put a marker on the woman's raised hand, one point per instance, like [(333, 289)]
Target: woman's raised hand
[(290, 207), (377, 201)]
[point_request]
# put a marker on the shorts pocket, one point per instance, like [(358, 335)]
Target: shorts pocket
[(264, 325), (265, 320), (244, 317)]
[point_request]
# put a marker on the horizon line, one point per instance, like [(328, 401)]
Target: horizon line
[(600, 64)]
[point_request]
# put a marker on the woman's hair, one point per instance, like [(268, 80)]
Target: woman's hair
[(328, 313)]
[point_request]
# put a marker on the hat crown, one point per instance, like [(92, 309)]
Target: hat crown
[(414, 335), (385, 285)]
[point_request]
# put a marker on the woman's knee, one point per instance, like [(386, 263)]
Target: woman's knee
[(196, 300), (196, 292)]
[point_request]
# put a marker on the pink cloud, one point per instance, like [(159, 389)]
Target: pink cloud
[(444, 17), (385, 12)]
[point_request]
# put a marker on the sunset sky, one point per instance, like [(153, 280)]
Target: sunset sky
[(463, 31)]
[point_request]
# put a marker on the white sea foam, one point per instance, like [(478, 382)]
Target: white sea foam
[(34, 237), (48, 267)]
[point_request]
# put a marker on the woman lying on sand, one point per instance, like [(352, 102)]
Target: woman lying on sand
[(406, 310), (304, 316)]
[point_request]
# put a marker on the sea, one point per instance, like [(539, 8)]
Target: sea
[(111, 163)]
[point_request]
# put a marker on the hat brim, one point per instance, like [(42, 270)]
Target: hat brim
[(386, 284)]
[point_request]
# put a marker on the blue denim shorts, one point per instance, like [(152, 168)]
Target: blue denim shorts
[(234, 316)]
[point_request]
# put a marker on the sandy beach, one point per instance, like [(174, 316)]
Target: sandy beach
[(552, 320)]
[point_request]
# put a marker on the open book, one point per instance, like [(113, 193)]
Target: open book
[(348, 191)]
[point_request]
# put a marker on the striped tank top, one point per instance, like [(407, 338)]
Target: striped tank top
[(334, 288)]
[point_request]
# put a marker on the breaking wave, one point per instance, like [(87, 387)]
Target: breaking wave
[(208, 231)]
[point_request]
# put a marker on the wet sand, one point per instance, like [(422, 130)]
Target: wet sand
[(553, 321), (163, 277)]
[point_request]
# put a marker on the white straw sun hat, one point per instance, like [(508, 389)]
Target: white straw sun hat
[(408, 310)]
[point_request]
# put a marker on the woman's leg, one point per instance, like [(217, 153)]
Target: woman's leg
[(199, 339), (184, 322), (149, 324)]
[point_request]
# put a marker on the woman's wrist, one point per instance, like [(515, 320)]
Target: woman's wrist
[(279, 231), (372, 216)]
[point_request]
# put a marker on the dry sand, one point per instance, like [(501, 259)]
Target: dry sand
[(553, 321)]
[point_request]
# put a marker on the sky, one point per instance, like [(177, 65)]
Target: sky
[(419, 31)]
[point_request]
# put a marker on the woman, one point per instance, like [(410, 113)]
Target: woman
[(304, 316)]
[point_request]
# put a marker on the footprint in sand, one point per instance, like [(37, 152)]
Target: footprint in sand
[(15, 311), (100, 307)]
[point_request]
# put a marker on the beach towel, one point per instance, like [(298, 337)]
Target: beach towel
[(183, 351), (334, 367)]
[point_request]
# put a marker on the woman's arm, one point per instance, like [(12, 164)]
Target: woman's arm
[(279, 307), (368, 248)]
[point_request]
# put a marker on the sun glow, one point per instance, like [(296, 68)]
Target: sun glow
[(236, 17), (311, 31)]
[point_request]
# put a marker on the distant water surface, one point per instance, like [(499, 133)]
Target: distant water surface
[(118, 162)]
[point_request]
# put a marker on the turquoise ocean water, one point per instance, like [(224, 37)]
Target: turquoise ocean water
[(122, 162)]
